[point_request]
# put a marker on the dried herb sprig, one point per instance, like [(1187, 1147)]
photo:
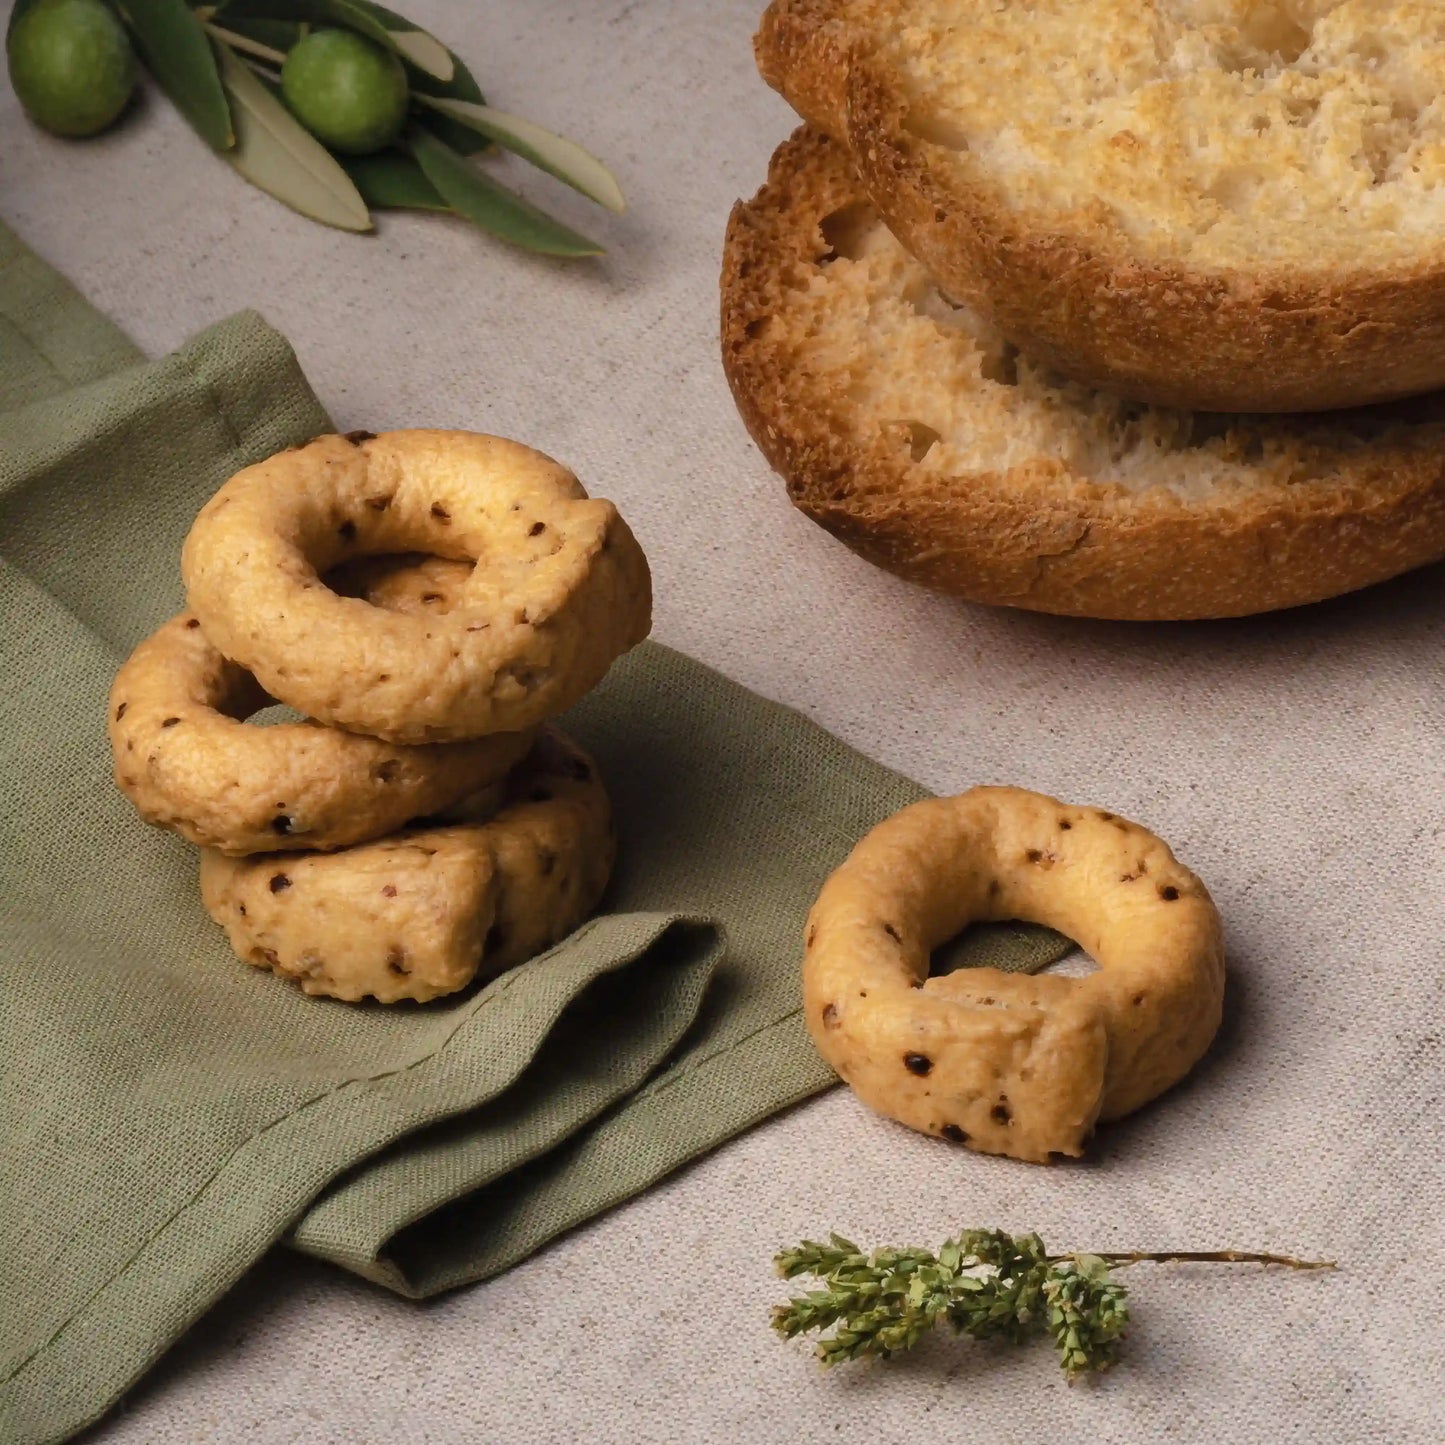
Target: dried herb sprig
[(984, 1283)]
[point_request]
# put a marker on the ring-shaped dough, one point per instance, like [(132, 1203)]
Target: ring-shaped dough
[(559, 589), (187, 759), (424, 912), (1011, 1063)]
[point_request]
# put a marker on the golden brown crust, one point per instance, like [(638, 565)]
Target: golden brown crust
[(562, 587), (1039, 534), (1262, 339), (801, 49), (1008, 1063), (1167, 334), (187, 759), (423, 912)]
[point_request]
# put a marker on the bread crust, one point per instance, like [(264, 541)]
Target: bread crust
[(1262, 340), (801, 49), (1037, 534)]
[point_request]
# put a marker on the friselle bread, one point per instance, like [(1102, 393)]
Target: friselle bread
[(1221, 204), (912, 430)]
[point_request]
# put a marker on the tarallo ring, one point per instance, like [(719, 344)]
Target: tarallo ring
[(423, 912), (1008, 1063), (558, 589), (187, 759)]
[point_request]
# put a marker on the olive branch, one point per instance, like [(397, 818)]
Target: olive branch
[(220, 63), (985, 1284)]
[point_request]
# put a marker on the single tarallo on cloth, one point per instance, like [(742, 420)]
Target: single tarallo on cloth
[(166, 1114)]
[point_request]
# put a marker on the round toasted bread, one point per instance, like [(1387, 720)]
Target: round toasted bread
[(912, 430), (1219, 204)]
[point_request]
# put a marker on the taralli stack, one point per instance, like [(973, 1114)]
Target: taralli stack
[(440, 836), (1101, 307), (1008, 1063)]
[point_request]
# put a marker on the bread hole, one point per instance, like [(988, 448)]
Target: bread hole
[(1235, 188), (758, 328), (936, 130), (1300, 110), (1387, 141), (918, 436), (1372, 49), (844, 231), (1273, 29), (1000, 364)]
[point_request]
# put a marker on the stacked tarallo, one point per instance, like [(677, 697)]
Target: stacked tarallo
[(427, 601)]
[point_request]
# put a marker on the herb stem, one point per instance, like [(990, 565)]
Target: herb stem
[(1199, 1256)]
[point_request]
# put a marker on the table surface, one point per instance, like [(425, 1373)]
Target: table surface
[(1294, 762)]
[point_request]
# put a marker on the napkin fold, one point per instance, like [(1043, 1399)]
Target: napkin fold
[(168, 1114)]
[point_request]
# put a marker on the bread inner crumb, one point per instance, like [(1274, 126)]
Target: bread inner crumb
[(1230, 132), (932, 377)]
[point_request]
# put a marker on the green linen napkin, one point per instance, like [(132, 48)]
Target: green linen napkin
[(166, 1113)]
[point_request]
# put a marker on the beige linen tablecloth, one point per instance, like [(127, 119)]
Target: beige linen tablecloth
[(1295, 762)]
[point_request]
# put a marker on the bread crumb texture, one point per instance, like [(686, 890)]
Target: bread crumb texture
[(1297, 133), (888, 357)]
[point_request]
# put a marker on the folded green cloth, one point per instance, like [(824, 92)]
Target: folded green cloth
[(167, 1113)]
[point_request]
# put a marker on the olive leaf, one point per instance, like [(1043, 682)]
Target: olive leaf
[(178, 54), (475, 195), (425, 52), (462, 86), (391, 180), (275, 152), (428, 55), (554, 154)]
